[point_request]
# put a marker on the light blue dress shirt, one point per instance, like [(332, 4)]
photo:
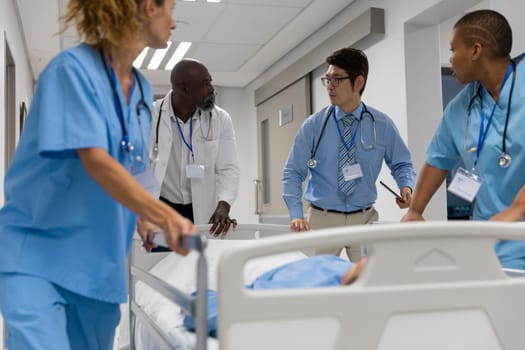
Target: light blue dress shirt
[(500, 185), (322, 188), (57, 222)]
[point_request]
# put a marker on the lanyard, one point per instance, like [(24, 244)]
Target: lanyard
[(341, 135), (113, 82), (190, 144), (118, 106), (483, 133)]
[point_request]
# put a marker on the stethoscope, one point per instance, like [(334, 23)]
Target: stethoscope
[(504, 160), (126, 143), (155, 148), (312, 162)]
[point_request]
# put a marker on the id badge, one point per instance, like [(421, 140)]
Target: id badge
[(148, 180), (352, 172), (194, 171), (465, 184)]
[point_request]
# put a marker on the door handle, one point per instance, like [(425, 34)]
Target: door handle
[(257, 188)]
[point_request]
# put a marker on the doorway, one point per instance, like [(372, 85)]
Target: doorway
[(278, 120)]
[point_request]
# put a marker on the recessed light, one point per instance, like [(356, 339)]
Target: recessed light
[(158, 56), (179, 53)]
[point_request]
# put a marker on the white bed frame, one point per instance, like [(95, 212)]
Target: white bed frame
[(427, 285)]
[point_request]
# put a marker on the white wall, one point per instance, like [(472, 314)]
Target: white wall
[(240, 104)]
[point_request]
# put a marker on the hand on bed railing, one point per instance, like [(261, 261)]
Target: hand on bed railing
[(173, 235), (299, 224), (220, 220), (194, 242)]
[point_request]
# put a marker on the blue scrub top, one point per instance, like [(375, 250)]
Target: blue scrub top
[(500, 185), (57, 222), (322, 186)]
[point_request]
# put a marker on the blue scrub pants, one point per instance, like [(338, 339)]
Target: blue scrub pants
[(40, 315)]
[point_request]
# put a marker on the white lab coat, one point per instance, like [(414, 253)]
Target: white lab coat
[(218, 153)]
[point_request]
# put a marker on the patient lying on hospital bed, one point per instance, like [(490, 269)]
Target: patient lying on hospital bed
[(311, 272), (287, 270), (181, 273)]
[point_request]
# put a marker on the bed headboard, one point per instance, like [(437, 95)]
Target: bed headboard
[(431, 285)]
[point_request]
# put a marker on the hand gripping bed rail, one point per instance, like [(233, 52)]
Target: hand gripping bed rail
[(441, 271), (195, 306)]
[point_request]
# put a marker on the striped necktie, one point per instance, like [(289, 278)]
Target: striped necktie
[(346, 156)]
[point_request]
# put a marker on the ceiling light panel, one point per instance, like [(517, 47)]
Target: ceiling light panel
[(158, 56), (178, 54)]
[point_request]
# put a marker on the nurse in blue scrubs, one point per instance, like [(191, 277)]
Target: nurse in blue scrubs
[(78, 181), (482, 127)]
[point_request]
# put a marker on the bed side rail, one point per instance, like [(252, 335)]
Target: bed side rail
[(196, 306), (438, 248), (432, 266)]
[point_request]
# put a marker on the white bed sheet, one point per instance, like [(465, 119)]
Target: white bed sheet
[(181, 272)]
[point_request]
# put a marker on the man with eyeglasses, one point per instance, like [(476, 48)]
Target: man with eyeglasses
[(343, 147), (194, 150)]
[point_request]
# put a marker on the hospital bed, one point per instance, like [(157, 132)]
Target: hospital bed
[(428, 285)]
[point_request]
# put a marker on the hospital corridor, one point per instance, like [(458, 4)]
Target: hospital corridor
[(262, 174)]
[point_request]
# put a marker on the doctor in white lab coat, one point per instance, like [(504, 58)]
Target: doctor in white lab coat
[(194, 149)]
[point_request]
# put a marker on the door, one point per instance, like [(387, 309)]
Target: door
[(278, 120)]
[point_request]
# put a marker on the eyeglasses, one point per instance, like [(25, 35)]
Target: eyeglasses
[(334, 81)]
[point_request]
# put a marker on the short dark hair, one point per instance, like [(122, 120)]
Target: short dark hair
[(487, 27), (353, 61)]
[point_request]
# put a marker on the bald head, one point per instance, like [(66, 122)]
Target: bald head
[(192, 85), (186, 70)]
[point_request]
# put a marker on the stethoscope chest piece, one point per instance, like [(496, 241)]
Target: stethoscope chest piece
[(312, 163), (504, 160)]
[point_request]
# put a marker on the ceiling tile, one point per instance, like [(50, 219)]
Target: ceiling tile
[(242, 24), (286, 3), (224, 58), (194, 19)]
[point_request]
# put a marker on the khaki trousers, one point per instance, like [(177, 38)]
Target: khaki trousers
[(320, 219)]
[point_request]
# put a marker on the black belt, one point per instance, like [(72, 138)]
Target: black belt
[(340, 212), (185, 210)]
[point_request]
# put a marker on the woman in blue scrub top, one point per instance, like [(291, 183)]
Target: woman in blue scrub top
[(77, 182), (482, 127)]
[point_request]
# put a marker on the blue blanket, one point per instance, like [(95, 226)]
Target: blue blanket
[(316, 271)]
